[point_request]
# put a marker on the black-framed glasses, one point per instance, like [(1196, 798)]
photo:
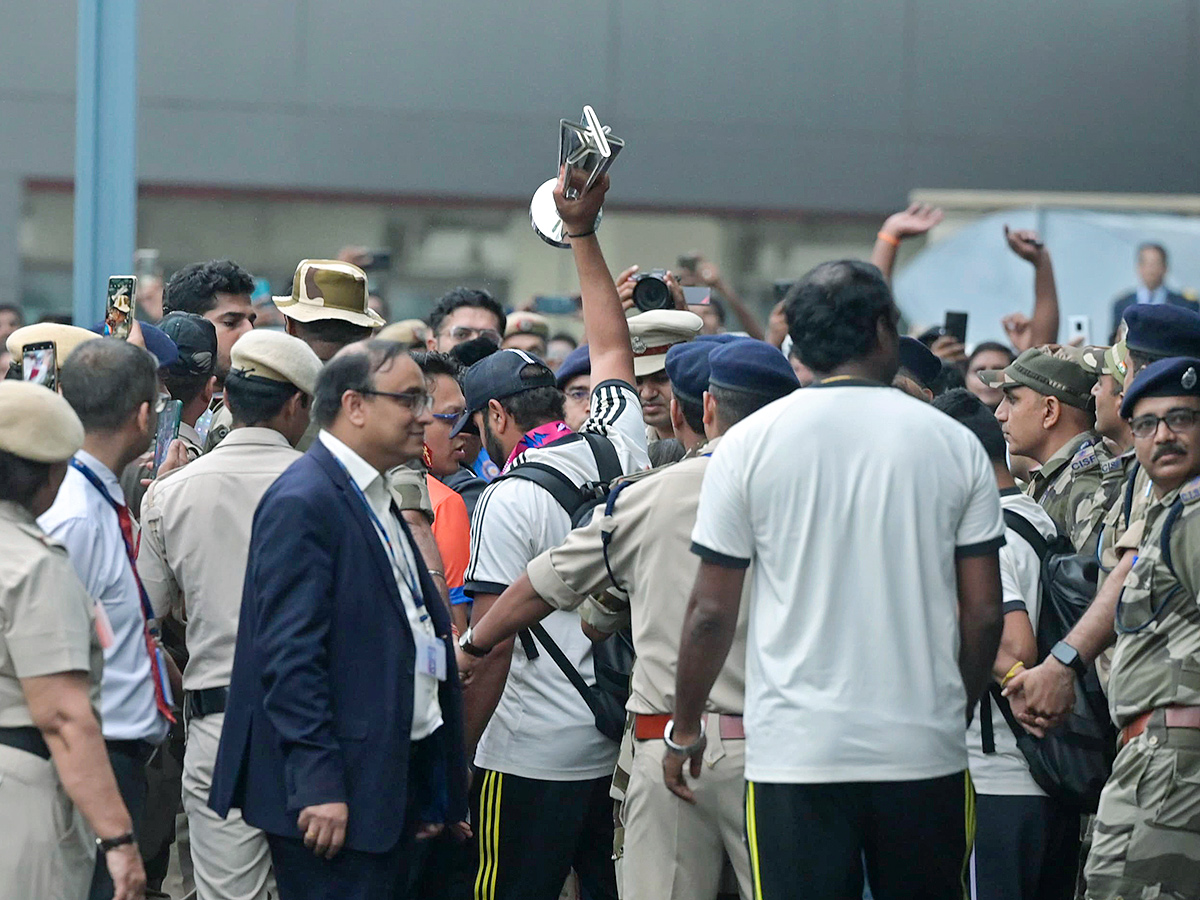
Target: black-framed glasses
[(450, 418), (1177, 420), (419, 402), (578, 393)]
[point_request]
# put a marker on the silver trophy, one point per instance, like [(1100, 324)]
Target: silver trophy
[(586, 150)]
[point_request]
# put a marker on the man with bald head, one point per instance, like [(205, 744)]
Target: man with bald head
[(342, 737)]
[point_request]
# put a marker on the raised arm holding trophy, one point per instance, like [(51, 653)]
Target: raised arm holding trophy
[(585, 151)]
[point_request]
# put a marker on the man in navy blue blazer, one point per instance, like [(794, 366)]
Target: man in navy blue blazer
[(343, 732), (1152, 271)]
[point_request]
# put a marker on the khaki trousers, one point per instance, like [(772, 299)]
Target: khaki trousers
[(231, 859), (675, 849), (47, 850)]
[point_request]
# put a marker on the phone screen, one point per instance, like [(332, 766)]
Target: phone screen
[(168, 430), (39, 364), (118, 311), (956, 326)]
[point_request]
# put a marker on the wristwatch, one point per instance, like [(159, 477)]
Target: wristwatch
[(469, 648), (1069, 656), (112, 843)]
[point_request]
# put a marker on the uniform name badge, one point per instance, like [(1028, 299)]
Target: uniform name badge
[(431, 656)]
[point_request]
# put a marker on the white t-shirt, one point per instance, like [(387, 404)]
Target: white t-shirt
[(1006, 771), (853, 501), (542, 728)]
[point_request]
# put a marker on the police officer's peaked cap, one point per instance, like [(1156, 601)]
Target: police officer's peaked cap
[(37, 424), (275, 356)]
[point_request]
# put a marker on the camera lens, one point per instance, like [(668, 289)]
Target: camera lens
[(651, 292)]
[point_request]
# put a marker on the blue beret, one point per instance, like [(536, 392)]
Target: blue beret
[(753, 367), (157, 341), (1176, 376), (1162, 330), (919, 360), (578, 362), (687, 367)]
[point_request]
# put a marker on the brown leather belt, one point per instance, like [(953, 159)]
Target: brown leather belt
[(1176, 717), (652, 727)]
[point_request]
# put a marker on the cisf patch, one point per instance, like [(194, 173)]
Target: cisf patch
[(1111, 465), (1084, 459), (1190, 492)]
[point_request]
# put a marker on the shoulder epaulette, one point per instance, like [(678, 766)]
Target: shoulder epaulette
[(1190, 492)]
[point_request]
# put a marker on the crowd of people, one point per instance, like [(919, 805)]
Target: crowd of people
[(464, 608)]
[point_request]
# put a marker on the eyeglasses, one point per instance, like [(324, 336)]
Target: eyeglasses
[(578, 393), (1176, 420), (449, 418), (160, 403), (418, 401), (465, 333)]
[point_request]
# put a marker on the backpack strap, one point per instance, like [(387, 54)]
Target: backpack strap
[(561, 488), (1127, 507), (1026, 529), (987, 736), (1165, 543), (608, 464), (560, 660), (1005, 710)]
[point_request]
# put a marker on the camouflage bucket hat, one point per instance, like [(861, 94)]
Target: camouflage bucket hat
[(1052, 370), (329, 289)]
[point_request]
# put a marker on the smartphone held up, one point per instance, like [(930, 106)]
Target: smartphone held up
[(118, 310), (168, 431), (39, 364)]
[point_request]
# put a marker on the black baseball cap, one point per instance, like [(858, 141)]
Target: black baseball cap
[(196, 338), (504, 373)]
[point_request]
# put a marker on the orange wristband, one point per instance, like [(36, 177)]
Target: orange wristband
[(888, 239)]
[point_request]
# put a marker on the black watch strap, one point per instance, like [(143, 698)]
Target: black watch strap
[(112, 843), (1069, 656)]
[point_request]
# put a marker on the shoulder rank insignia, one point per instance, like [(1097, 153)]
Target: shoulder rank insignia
[(1190, 492)]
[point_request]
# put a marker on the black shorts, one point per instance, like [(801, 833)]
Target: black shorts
[(811, 840), (531, 833)]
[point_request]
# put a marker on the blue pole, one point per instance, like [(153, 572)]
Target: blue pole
[(105, 152)]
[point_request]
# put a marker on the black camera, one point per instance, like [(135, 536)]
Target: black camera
[(650, 290)]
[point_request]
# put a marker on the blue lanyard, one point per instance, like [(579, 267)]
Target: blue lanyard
[(94, 479), (387, 542)]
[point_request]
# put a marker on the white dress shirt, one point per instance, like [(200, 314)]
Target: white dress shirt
[(84, 522), (1155, 297), (427, 711)]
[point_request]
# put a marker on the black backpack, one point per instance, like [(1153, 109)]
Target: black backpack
[(1073, 761), (613, 658)]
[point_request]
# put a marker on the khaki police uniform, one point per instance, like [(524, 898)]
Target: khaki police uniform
[(47, 849), (219, 424), (672, 849), (1068, 487), (196, 526), (1147, 836)]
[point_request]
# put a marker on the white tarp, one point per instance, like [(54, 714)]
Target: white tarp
[(1094, 261)]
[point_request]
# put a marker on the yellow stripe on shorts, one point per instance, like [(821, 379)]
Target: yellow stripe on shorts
[(969, 826), (752, 840), (489, 836)]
